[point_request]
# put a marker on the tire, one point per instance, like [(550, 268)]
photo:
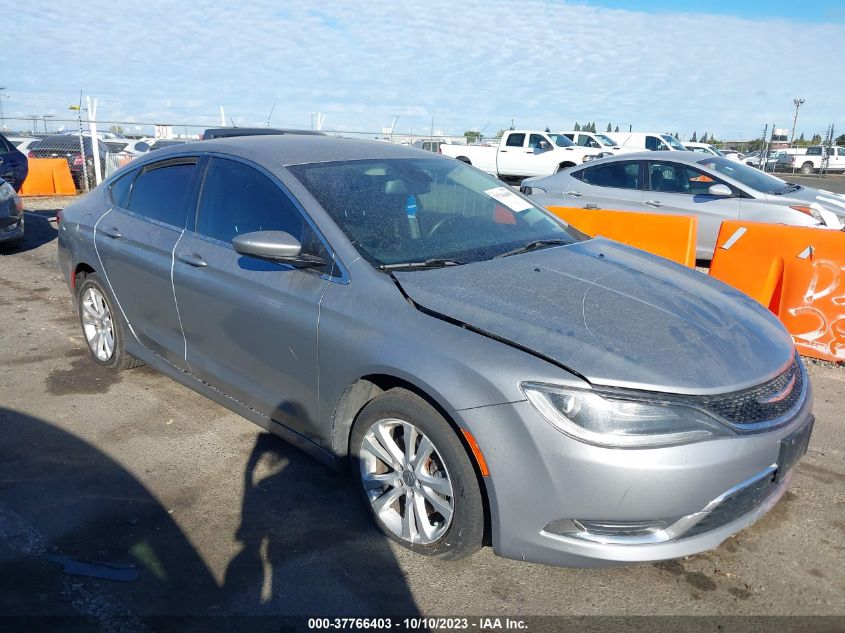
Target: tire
[(807, 168), (448, 520), (102, 325), (12, 245)]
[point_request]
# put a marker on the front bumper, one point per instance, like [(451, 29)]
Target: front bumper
[(540, 480), (11, 220)]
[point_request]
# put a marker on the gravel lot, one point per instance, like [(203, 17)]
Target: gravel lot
[(216, 517)]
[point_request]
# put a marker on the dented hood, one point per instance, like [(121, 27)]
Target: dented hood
[(613, 314)]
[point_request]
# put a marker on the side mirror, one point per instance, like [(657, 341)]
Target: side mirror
[(720, 190), (544, 146), (276, 246)]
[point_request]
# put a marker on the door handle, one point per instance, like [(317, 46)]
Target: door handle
[(192, 259), (112, 232), (574, 194), (591, 206), (654, 203)]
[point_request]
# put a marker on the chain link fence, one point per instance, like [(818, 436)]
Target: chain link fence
[(92, 158)]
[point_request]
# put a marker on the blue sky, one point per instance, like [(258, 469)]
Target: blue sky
[(723, 67)]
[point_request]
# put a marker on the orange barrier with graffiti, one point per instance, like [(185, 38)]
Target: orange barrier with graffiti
[(670, 236), (48, 177), (796, 272)]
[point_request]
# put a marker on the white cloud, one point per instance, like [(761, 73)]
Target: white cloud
[(465, 64)]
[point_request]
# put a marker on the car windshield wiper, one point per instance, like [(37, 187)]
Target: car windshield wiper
[(428, 263), (533, 246)]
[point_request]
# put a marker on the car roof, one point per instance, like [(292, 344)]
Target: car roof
[(295, 149)]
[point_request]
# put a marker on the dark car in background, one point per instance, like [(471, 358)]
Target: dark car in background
[(67, 146), (13, 164), (165, 142), (11, 216)]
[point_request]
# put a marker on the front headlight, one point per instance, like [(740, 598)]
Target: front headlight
[(623, 421), (6, 192)]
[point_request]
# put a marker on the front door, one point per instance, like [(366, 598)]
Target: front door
[(674, 188), (250, 324)]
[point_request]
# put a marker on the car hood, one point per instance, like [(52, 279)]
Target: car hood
[(615, 315)]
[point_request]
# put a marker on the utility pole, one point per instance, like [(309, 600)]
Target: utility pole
[(797, 101)]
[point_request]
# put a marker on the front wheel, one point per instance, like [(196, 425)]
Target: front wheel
[(416, 477)]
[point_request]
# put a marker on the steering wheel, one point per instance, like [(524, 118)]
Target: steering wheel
[(449, 219)]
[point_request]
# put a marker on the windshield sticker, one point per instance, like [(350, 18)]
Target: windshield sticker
[(508, 198)]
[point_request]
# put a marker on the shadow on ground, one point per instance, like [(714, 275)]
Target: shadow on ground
[(37, 231), (308, 547)]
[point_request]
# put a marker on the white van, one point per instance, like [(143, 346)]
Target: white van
[(596, 140), (655, 141)]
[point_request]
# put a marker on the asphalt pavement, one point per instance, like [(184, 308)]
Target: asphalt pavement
[(125, 496)]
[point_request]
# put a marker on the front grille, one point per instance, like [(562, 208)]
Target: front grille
[(749, 406), (738, 504)]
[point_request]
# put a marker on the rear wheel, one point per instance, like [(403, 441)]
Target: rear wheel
[(416, 478), (807, 168), (102, 325)]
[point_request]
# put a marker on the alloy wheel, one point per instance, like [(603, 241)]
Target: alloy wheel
[(406, 481), (97, 323)]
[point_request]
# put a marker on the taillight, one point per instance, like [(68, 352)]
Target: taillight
[(59, 215), (77, 159)]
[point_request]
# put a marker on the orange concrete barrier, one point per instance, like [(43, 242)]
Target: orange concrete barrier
[(48, 177), (796, 272), (670, 236)]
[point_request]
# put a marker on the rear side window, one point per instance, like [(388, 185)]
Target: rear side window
[(161, 193), (237, 198), (515, 140), (622, 175), (119, 189)]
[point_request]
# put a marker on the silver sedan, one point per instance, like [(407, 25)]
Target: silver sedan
[(712, 188), (486, 374)]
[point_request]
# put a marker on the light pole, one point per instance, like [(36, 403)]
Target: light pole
[(2, 116), (798, 101), (45, 117)]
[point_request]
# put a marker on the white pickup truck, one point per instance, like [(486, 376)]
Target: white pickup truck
[(814, 159), (523, 153)]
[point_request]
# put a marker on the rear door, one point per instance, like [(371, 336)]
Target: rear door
[(675, 188), (135, 241), (607, 185), (251, 324)]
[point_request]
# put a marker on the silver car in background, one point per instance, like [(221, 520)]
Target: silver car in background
[(712, 188), (488, 374)]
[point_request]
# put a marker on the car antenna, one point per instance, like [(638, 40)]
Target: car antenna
[(232, 121)]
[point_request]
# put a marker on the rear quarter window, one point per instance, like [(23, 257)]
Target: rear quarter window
[(120, 188)]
